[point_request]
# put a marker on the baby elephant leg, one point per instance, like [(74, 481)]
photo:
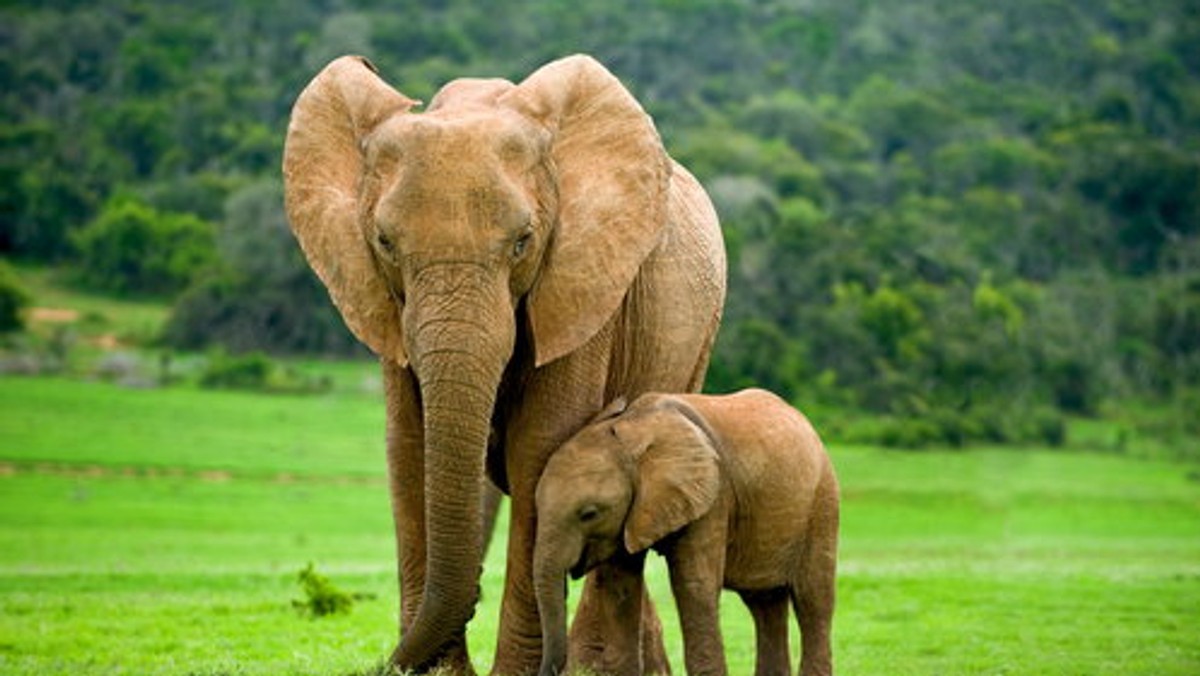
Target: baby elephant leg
[(815, 610), (770, 610), (813, 593), (697, 591)]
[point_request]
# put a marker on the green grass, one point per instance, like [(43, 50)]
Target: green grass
[(134, 575), (93, 423), (161, 532), (997, 561), (98, 314)]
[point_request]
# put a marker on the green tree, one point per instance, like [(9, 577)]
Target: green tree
[(133, 248), (263, 296)]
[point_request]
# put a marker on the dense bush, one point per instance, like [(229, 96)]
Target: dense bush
[(132, 247), (263, 295), (256, 371), (951, 428), (242, 313)]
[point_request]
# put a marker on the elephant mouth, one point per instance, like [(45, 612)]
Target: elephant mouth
[(581, 567)]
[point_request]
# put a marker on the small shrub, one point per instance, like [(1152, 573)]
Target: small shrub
[(909, 432), (321, 597), (258, 372), (956, 428), (1049, 426), (24, 363), (13, 300), (250, 371), (124, 368), (992, 424), (60, 345)]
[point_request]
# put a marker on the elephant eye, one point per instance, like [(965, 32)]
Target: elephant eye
[(385, 242), (521, 245), (588, 513)]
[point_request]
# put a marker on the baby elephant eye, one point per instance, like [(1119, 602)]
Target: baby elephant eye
[(588, 513)]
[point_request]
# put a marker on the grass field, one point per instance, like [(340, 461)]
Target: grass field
[(161, 532)]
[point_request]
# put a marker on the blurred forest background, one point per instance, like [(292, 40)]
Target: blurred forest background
[(948, 220)]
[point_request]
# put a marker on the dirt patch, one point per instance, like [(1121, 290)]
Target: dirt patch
[(53, 315), (216, 476), (107, 342)]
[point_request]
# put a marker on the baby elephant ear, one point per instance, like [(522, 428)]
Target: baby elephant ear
[(678, 477)]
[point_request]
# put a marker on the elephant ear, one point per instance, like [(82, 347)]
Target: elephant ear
[(612, 174), (323, 162), (678, 476)]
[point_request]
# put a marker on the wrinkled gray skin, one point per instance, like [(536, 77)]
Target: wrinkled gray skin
[(517, 255), (735, 491)]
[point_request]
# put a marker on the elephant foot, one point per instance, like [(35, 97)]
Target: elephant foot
[(453, 661), (597, 655), (516, 658), (606, 665)]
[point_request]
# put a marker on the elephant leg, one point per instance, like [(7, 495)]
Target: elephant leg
[(519, 640), (553, 403), (697, 570), (814, 590), (609, 635), (406, 469), (815, 610), (770, 611)]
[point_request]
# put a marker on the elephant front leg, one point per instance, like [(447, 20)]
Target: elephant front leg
[(697, 567), (519, 640), (551, 404)]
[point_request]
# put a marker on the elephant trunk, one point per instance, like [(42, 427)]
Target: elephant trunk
[(458, 351), (550, 587)]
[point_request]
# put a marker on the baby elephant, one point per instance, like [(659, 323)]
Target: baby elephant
[(735, 491)]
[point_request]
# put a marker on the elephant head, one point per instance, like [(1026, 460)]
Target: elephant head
[(621, 484), (502, 210)]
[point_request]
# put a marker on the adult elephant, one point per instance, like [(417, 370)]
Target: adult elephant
[(517, 255)]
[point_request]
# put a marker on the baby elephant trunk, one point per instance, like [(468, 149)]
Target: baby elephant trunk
[(550, 586)]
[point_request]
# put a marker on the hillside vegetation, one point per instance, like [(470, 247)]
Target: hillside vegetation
[(964, 218)]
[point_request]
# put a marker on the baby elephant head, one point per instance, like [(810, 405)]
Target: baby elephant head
[(630, 478)]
